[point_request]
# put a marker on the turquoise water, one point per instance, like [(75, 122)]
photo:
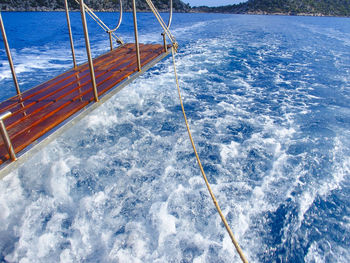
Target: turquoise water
[(267, 98)]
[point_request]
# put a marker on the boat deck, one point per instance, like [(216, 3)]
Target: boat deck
[(41, 109)]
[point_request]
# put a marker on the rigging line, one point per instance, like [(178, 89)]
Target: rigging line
[(162, 23), (100, 23), (234, 241)]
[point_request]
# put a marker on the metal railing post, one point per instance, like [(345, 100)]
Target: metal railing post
[(169, 24), (5, 136), (136, 36), (110, 39), (88, 50), (9, 57), (164, 42), (70, 33)]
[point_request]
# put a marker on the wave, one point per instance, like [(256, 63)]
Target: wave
[(123, 186)]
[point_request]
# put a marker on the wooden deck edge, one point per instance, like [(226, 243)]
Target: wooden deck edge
[(24, 155)]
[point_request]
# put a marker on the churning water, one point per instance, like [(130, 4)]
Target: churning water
[(268, 100)]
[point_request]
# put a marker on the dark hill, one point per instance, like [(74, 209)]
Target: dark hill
[(101, 5), (287, 7)]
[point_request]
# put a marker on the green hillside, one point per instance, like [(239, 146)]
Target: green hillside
[(289, 7), (102, 5)]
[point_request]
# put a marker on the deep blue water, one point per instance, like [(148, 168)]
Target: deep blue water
[(267, 98)]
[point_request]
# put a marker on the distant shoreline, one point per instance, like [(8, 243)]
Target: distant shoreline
[(319, 8), (181, 12)]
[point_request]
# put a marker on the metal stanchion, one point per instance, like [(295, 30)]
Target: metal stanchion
[(110, 39), (5, 136), (169, 24), (136, 36), (70, 33), (88, 50)]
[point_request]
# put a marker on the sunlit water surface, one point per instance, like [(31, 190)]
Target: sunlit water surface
[(267, 98)]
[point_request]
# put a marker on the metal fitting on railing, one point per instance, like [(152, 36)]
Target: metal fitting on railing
[(5, 136)]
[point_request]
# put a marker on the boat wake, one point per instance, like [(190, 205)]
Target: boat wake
[(268, 112)]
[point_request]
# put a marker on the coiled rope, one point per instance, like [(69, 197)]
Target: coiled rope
[(234, 241)]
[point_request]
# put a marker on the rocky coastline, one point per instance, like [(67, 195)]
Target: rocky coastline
[(251, 7)]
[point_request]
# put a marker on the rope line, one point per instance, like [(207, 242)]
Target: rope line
[(234, 241), (162, 23), (101, 24)]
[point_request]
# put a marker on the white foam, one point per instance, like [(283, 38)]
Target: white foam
[(117, 188), (230, 151), (162, 220), (323, 251)]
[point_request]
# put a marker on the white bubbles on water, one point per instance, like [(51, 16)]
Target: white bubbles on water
[(123, 185)]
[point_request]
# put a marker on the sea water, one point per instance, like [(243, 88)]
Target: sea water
[(267, 99)]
